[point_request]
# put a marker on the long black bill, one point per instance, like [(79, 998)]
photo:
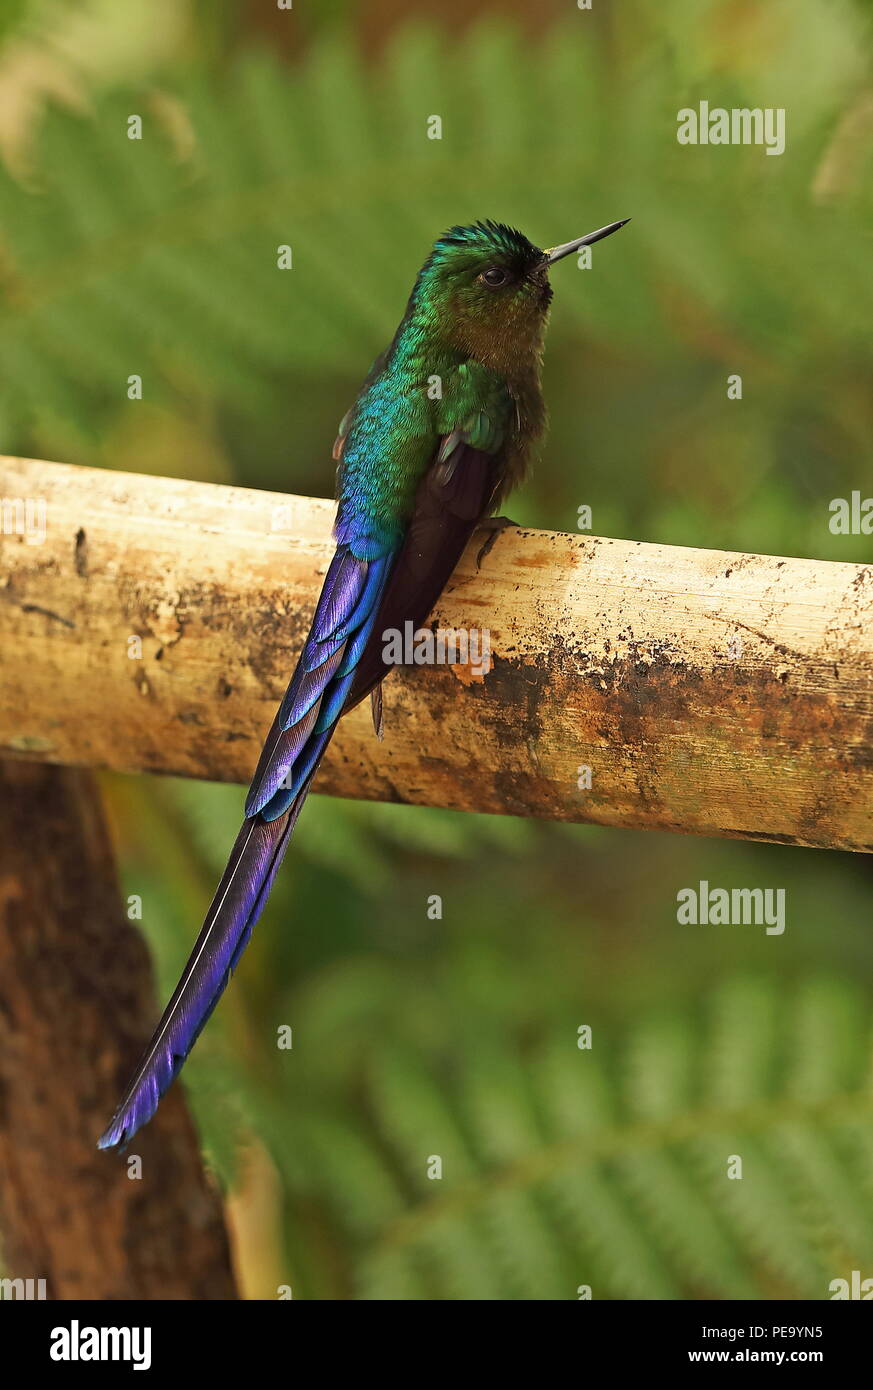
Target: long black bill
[(557, 253)]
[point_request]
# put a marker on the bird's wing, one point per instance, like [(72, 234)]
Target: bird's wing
[(454, 496), (340, 664)]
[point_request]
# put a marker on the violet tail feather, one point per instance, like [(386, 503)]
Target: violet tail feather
[(245, 885), (342, 626)]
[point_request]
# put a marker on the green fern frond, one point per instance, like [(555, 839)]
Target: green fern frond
[(610, 1167), (133, 254)]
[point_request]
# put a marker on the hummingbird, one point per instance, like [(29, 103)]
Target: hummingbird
[(444, 426)]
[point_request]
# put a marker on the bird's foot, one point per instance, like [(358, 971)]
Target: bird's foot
[(493, 525), (376, 712)]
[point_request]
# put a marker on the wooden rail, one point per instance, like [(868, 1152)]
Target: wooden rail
[(153, 626)]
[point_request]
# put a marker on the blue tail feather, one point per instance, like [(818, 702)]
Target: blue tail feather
[(300, 734)]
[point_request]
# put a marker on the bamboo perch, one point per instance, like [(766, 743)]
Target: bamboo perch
[(710, 693)]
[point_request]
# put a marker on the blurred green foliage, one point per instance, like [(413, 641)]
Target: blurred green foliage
[(457, 1037)]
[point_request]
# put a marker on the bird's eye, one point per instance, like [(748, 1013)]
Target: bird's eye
[(494, 276)]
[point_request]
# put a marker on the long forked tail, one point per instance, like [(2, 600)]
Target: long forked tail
[(343, 624), (245, 885)]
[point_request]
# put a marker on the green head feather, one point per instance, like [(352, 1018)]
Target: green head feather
[(484, 290)]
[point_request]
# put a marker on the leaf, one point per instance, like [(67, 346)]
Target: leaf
[(609, 1167)]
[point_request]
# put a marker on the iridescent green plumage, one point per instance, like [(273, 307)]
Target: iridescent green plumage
[(466, 358)]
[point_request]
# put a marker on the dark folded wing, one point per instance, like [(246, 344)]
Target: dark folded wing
[(453, 497)]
